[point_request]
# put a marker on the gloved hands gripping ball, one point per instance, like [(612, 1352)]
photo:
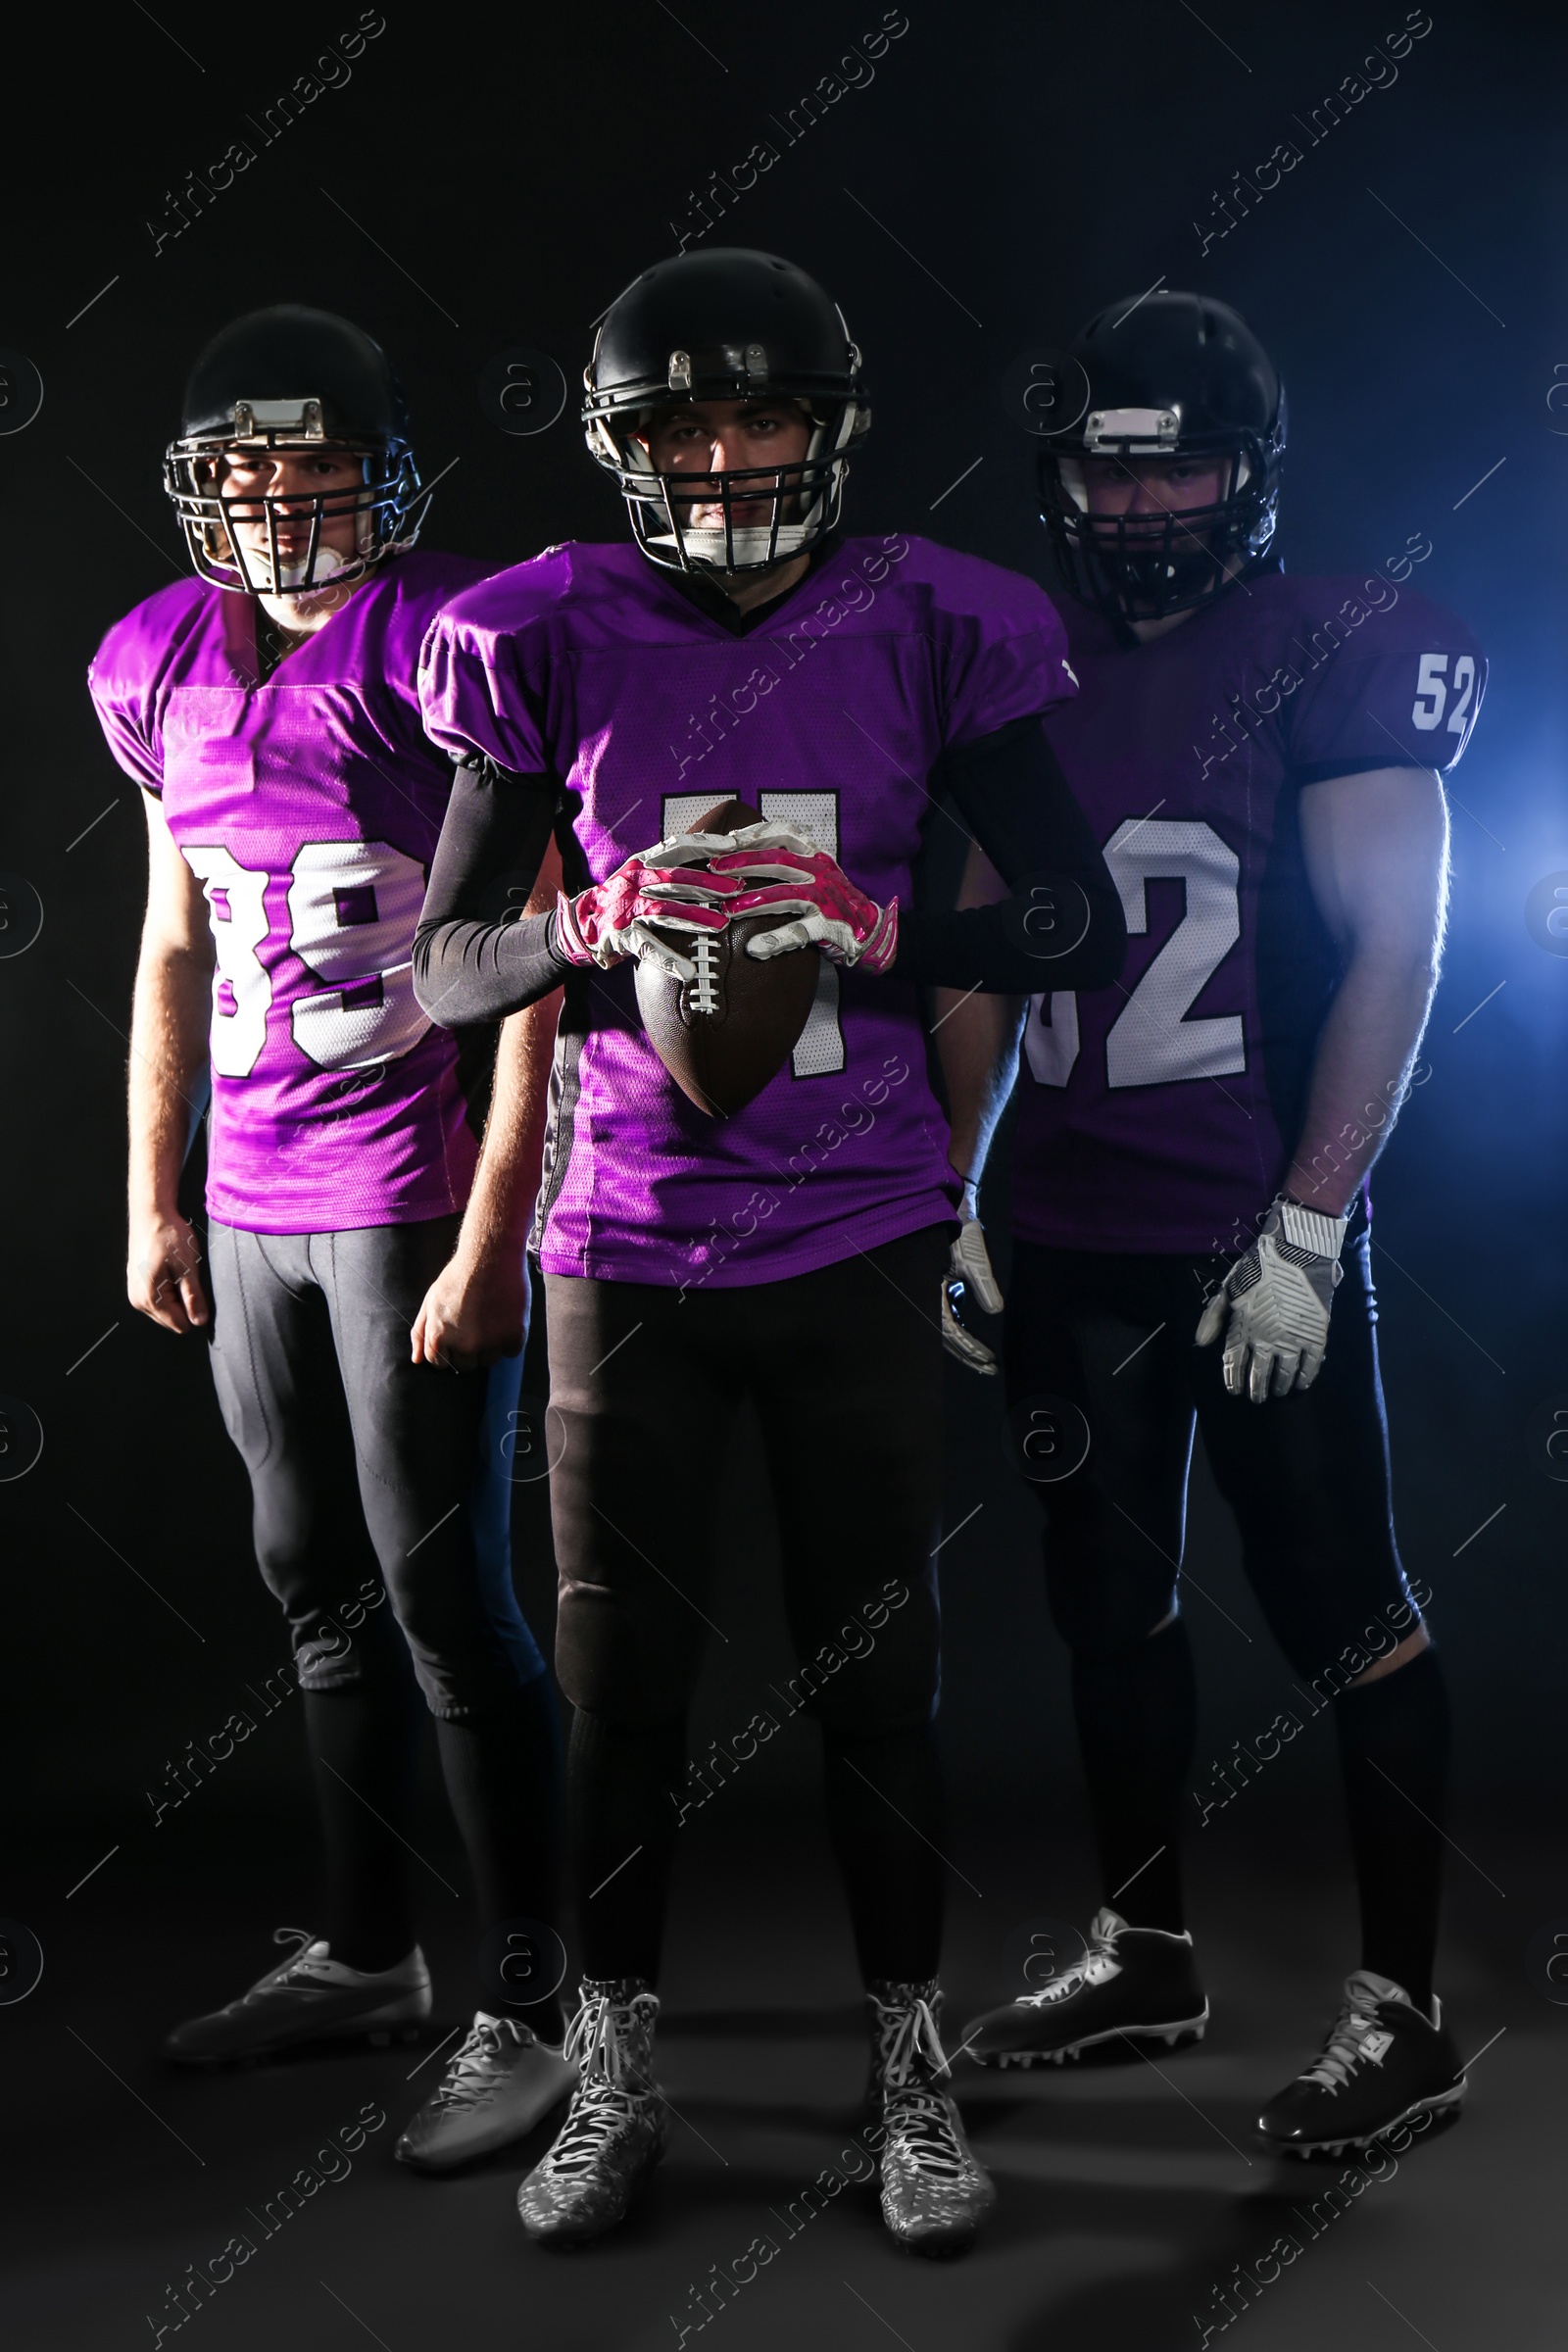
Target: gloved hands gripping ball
[(1273, 1306), (776, 869), (721, 1023), (969, 1269), (612, 920)]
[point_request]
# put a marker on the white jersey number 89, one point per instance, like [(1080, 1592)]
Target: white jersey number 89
[(352, 907)]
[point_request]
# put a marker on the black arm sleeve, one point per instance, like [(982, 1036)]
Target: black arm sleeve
[(475, 957), (1063, 925)]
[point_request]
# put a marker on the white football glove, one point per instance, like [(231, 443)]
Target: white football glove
[(970, 1268), (1273, 1306)]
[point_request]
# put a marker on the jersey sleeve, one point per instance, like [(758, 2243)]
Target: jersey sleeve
[(1002, 650), (485, 668), (475, 695), (1391, 686), (125, 698)]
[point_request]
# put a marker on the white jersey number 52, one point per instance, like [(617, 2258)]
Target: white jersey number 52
[(1432, 692), (1151, 1042)]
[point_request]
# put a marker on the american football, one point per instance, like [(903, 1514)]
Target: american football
[(723, 1035)]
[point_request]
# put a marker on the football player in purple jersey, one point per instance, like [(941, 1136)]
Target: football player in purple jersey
[(364, 1261), (794, 1252), (1259, 756)]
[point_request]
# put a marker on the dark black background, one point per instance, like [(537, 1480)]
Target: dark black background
[(507, 173)]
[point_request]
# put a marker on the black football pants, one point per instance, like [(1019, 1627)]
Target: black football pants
[(844, 1365), (1307, 1475)]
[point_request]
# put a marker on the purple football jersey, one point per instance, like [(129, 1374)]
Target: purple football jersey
[(830, 712), (1161, 1114), (309, 808)]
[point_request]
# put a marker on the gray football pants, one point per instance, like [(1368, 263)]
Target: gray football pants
[(344, 1436)]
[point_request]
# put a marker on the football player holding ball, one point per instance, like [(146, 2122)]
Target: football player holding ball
[(740, 651)]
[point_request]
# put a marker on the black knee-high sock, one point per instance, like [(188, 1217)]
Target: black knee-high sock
[(1394, 1752), (884, 1803), (365, 1749), (503, 1778), (1137, 1717), (622, 1791)]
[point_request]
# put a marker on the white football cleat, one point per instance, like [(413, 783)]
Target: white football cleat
[(501, 2081)]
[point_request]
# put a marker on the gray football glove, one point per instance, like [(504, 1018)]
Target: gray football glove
[(1273, 1306), (970, 1268)]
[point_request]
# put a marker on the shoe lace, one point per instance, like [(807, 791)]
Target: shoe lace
[(285, 1971), (922, 2124), (468, 2073), (606, 2096), (909, 2043), (1096, 1967), (1344, 2050), (593, 2040), (599, 2109)]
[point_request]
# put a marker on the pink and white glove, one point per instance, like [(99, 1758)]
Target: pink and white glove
[(611, 921), (774, 869)]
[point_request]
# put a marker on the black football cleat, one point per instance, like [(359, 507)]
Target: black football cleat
[(308, 1997), (1134, 1983), (1383, 2064)]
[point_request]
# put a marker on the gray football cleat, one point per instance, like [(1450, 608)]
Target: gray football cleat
[(308, 1997), (614, 2133), (935, 2195), (501, 2081)]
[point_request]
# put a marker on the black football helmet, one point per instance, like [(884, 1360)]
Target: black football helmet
[(725, 325), (1174, 375), (305, 381)]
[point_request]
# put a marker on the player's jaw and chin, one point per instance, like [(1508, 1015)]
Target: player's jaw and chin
[(1142, 505), (298, 519), (724, 499)]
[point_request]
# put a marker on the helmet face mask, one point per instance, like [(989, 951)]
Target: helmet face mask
[(733, 326), (741, 518), (1184, 382), (198, 477), (244, 411)]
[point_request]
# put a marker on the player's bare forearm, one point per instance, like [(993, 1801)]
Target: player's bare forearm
[(170, 1013), (977, 1038), (168, 1026), (505, 1183), (977, 1041), (1365, 1053), (475, 1311), (1376, 853)]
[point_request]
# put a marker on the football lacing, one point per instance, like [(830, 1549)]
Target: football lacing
[(704, 988), (1357, 2039)]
